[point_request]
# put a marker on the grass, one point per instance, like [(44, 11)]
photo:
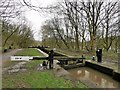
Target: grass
[(24, 52), (110, 55), (29, 52), (32, 65), (118, 71), (0, 50), (8, 63), (37, 79)]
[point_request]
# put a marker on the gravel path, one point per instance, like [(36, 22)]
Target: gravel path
[(6, 56)]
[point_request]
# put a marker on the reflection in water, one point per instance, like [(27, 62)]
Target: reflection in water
[(96, 77)]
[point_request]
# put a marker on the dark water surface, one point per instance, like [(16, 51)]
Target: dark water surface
[(94, 76)]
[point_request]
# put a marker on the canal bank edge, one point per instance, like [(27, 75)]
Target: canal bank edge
[(108, 71)]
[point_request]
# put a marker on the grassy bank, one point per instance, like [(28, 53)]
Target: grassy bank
[(110, 55), (23, 52), (32, 78), (37, 79), (29, 52)]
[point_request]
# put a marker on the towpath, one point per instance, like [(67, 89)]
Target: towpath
[(6, 56)]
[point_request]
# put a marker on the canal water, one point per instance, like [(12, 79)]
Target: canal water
[(95, 77)]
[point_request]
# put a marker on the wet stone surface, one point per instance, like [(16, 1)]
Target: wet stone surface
[(60, 72), (112, 65), (16, 68)]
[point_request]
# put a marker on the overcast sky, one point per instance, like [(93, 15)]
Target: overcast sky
[(35, 19)]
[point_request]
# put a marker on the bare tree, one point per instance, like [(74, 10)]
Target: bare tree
[(56, 25), (77, 20), (14, 29), (92, 11), (10, 9), (48, 32), (110, 23)]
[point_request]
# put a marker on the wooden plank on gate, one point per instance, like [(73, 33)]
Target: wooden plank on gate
[(21, 58)]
